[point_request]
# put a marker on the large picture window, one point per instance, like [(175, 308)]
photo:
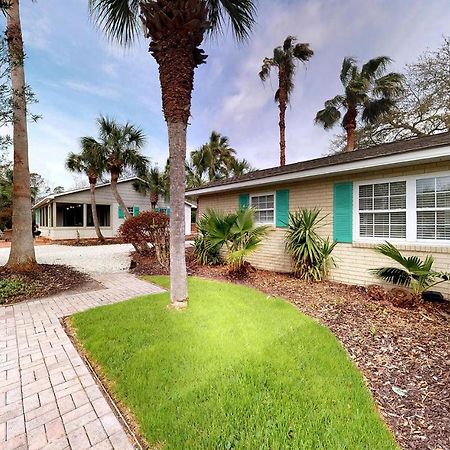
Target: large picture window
[(103, 214), (433, 208), (264, 206), (382, 210)]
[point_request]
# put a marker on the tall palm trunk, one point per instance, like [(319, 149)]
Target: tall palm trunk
[(282, 98), (154, 197), (117, 196), (22, 248), (92, 183), (349, 124)]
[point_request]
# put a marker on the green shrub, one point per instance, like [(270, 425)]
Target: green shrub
[(311, 253), (205, 253), (12, 287), (416, 274), (237, 232)]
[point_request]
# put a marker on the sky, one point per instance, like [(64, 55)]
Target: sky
[(78, 75)]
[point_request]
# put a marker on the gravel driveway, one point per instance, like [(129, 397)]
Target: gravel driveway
[(98, 258)]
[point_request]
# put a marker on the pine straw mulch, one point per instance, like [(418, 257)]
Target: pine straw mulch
[(43, 280), (404, 354)]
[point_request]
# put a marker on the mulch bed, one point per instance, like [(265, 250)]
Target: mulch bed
[(88, 242), (44, 281), (404, 354)]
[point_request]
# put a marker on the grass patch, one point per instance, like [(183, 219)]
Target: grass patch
[(12, 287), (236, 370)]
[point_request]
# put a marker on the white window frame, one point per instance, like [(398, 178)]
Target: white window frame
[(411, 210), (262, 194)]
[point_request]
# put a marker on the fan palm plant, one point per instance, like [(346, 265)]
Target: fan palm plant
[(414, 273), (176, 30), (368, 92), (22, 248), (120, 147), (236, 232), (311, 252), (240, 167), (91, 162), (152, 182), (284, 60)]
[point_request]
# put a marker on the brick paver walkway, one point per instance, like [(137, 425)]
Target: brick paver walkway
[(48, 397)]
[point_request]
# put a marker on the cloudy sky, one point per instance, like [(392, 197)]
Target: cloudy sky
[(78, 75)]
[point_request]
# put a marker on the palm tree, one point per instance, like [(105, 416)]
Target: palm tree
[(120, 147), (284, 60), (369, 92), (240, 167), (152, 181), (215, 157), (22, 248), (91, 162), (176, 30)]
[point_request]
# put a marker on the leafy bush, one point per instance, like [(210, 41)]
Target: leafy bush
[(236, 232), (12, 287), (149, 227), (205, 253), (416, 274), (311, 253)]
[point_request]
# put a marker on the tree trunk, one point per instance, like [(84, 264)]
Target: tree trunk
[(282, 99), (117, 196), (178, 276), (22, 248), (349, 124), (94, 211)]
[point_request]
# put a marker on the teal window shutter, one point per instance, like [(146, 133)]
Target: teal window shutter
[(121, 213), (244, 201), (343, 212), (135, 211), (282, 208), (168, 211)]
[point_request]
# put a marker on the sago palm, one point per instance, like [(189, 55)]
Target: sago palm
[(284, 60), (414, 273), (176, 29), (120, 146), (91, 162), (368, 92)]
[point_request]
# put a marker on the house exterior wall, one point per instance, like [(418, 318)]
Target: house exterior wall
[(103, 196), (354, 259)]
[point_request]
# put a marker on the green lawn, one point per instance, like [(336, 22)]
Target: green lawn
[(236, 370)]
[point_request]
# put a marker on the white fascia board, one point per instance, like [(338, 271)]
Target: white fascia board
[(413, 157)]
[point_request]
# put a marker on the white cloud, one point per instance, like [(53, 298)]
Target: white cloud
[(94, 89)]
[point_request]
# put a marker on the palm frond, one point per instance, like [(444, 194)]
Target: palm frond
[(347, 70), (375, 67), (390, 85), (374, 109), (328, 117), (393, 275), (118, 19)]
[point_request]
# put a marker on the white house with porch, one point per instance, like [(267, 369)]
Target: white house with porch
[(69, 215)]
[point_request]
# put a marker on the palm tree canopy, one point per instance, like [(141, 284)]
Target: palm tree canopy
[(89, 161), (367, 90), (120, 19), (284, 59), (121, 146), (152, 181)]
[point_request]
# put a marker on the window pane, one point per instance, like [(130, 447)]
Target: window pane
[(381, 227), (425, 185), (443, 199), (381, 189), (398, 202), (366, 204), (398, 225), (398, 188), (443, 184), (381, 203), (366, 225), (443, 225), (426, 221), (426, 200), (366, 191)]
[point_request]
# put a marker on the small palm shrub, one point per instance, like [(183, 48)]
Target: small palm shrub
[(12, 287), (237, 233), (414, 273), (311, 252), (205, 253)]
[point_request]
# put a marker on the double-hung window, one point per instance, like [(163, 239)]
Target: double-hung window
[(433, 208), (382, 210), (264, 206)]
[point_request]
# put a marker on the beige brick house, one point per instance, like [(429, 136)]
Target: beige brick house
[(399, 192)]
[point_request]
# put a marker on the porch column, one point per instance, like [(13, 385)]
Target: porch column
[(54, 214), (84, 215)]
